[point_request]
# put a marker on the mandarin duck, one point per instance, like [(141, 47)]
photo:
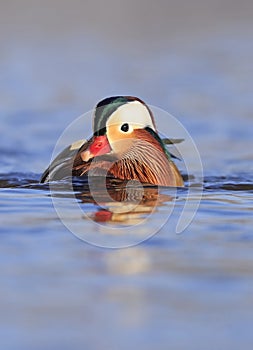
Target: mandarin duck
[(125, 145)]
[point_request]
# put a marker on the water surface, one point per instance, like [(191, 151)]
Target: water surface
[(192, 290)]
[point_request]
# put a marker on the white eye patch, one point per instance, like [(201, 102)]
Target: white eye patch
[(134, 113)]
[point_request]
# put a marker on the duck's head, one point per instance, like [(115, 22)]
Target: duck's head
[(118, 122)]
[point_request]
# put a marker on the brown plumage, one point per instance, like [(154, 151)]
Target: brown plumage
[(144, 161)]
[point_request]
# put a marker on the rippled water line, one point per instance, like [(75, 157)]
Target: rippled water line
[(227, 183)]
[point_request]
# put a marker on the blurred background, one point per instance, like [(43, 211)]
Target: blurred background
[(193, 59), (169, 52)]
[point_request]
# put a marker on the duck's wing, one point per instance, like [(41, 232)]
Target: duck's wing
[(169, 142), (62, 165), (172, 141)]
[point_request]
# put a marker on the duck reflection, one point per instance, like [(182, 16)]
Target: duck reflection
[(122, 202)]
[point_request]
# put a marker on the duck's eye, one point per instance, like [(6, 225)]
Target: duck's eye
[(125, 127)]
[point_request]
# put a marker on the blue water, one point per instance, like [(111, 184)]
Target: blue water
[(191, 290)]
